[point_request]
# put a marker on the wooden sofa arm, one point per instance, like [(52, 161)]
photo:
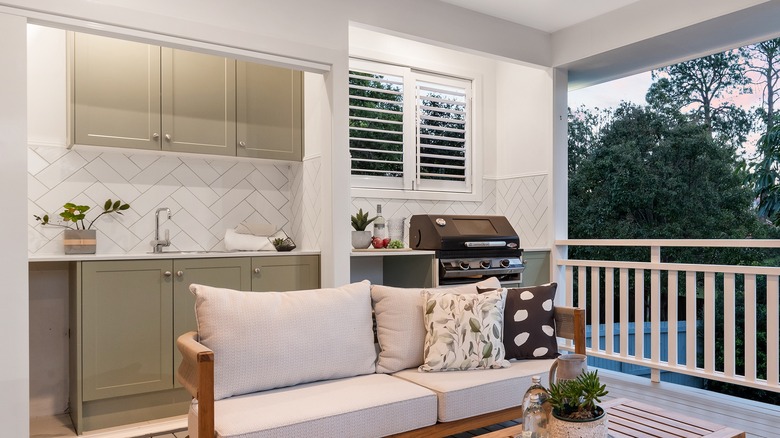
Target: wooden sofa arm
[(196, 374), (570, 324)]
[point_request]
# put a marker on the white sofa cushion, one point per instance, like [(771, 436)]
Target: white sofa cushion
[(265, 340), (399, 323), (365, 406), (464, 394), (463, 332)]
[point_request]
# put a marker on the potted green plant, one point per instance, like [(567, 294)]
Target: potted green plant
[(361, 238), (79, 237), (575, 412)]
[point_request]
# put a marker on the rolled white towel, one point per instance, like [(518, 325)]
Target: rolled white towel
[(246, 242), (256, 228)]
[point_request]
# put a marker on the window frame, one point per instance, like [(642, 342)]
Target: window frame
[(471, 188)]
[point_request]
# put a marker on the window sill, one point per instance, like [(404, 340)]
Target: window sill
[(475, 196)]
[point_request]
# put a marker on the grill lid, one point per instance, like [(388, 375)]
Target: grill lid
[(461, 232)]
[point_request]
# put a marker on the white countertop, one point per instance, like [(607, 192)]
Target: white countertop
[(371, 252), (163, 255)]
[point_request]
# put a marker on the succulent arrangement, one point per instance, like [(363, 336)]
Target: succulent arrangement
[(77, 214), (360, 220), (576, 399)]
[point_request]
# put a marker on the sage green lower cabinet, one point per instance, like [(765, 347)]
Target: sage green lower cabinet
[(125, 317), (230, 273), (537, 268), (285, 273)]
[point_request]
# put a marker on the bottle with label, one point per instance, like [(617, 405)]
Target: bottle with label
[(536, 388), (534, 419), (380, 230)]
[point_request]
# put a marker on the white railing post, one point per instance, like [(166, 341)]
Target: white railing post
[(655, 314), (729, 324)]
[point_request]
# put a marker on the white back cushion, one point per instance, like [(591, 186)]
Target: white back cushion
[(265, 340), (399, 323)]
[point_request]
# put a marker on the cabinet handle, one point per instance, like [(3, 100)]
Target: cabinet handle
[(155, 136), (167, 137), (257, 270), (167, 273), (242, 144), (180, 273)]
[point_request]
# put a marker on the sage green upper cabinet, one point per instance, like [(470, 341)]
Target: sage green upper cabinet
[(198, 103), (269, 112), (135, 95), (126, 323), (116, 91)]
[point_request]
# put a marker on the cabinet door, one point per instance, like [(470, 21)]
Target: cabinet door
[(269, 112), (285, 273), (126, 322), (116, 92), (231, 273), (199, 103)]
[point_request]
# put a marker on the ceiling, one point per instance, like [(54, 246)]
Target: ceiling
[(545, 15)]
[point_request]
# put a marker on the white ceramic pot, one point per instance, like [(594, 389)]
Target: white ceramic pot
[(565, 428), (361, 239)]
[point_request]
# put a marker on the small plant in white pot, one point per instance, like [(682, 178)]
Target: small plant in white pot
[(361, 238), (80, 238), (575, 413)]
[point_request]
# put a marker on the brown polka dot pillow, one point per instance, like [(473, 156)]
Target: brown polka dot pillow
[(529, 322)]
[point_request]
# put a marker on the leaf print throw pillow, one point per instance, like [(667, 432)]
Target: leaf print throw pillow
[(463, 332)]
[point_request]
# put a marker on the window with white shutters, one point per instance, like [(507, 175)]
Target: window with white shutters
[(408, 130)]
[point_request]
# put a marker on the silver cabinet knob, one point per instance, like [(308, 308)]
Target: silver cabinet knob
[(242, 144), (167, 273), (180, 273), (257, 270), (155, 136), (167, 137)]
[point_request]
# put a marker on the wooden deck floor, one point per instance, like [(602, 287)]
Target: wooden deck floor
[(755, 418)]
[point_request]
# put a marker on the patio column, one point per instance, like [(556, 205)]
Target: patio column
[(14, 325), (560, 179)]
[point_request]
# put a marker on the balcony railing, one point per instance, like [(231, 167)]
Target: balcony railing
[(712, 302)]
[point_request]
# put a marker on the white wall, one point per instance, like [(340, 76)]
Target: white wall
[(14, 371)]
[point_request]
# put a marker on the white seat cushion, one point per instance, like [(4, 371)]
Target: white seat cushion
[(266, 340), (464, 394), (373, 405)]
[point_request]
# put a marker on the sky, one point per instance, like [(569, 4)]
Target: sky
[(633, 89)]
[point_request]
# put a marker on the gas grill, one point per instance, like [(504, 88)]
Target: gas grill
[(469, 248)]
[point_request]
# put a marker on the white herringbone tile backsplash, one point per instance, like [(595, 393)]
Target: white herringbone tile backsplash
[(405, 208), (206, 195), (525, 201)]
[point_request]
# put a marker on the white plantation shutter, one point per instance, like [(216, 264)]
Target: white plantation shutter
[(408, 130), (443, 146), (376, 124)]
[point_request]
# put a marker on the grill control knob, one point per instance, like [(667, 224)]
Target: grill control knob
[(484, 264), (505, 263), (463, 265)]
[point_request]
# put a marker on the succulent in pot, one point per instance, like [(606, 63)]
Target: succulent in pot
[(575, 412), (361, 238)]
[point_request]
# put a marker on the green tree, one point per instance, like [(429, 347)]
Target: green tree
[(763, 60), (702, 88)]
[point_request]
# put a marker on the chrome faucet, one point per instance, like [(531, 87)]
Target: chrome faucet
[(158, 244)]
